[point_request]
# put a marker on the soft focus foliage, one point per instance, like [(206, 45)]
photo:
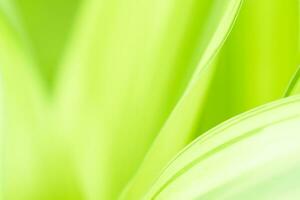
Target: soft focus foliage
[(121, 99)]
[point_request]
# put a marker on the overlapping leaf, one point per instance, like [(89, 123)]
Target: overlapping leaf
[(257, 60), (97, 93), (231, 161), (294, 86)]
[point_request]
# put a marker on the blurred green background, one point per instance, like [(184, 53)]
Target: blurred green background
[(89, 85)]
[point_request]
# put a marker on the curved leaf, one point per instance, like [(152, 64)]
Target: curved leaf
[(127, 65), (181, 123), (257, 60), (233, 159), (294, 85)]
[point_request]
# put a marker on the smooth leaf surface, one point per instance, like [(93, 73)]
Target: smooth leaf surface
[(183, 120), (223, 163), (97, 97), (294, 85), (47, 25), (257, 60)]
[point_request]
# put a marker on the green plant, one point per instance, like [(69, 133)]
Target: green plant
[(121, 99)]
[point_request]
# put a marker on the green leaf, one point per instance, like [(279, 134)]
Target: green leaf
[(113, 84), (232, 161), (47, 25), (21, 86), (294, 85), (182, 122), (98, 96), (257, 60), (28, 162)]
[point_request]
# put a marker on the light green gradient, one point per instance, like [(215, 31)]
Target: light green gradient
[(98, 97)]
